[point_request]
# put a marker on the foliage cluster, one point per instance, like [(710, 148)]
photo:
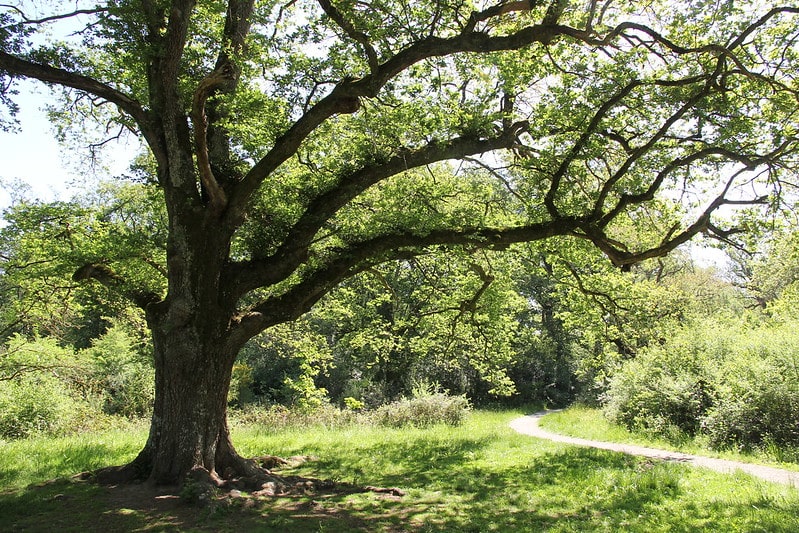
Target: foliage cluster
[(50, 389), (735, 386)]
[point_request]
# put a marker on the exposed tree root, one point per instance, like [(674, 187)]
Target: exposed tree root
[(254, 477)]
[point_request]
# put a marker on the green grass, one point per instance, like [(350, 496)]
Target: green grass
[(590, 423), (478, 477), (35, 460)]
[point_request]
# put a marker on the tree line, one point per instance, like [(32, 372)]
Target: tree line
[(660, 347)]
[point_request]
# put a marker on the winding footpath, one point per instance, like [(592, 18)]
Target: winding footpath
[(528, 425)]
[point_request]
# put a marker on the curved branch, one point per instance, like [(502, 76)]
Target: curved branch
[(21, 67), (345, 96), (708, 48), (295, 248), (496, 11), (362, 255), (215, 81), (224, 78), (28, 20), (625, 259), (640, 151), (110, 279)]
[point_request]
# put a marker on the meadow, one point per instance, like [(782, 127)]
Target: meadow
[(477, 477)]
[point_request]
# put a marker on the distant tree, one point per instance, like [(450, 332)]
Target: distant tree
[(41, 243), (770, 266), (297, 144)]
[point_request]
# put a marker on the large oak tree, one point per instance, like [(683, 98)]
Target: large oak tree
[(297, 143)]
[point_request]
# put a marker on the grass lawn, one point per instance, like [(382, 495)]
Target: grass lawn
[(478, 477)]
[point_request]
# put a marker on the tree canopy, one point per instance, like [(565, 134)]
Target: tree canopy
[(296, 144)]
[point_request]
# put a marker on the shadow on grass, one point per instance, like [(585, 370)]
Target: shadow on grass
[(452, 483)]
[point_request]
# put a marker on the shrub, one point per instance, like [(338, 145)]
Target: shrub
[(663, 392), (41, 389), (423, 411), (39, 404), (758, 394), (740, 388), (123, 376)]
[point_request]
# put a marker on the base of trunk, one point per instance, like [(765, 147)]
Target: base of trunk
[(201, 487)]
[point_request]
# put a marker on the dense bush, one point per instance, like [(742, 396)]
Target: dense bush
[(757, 392), (38, 405), (423, 411), (124, 376), (52, 389), (664, 391), (738, 387), (41, 389)]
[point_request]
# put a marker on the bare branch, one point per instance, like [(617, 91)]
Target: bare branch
[(28, 20)]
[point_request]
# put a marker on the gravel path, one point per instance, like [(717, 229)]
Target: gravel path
[(528, 425)]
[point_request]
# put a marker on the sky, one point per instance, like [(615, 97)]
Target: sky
[(33, 156)]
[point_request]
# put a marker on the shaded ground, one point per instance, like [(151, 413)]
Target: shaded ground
[(477, 478), (528, 425)]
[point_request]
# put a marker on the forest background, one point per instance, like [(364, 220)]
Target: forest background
[(671, 347)]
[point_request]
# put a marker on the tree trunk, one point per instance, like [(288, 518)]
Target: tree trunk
[(189, 424), (193, 365)]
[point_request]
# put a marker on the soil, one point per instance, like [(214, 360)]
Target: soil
[(528, 425)]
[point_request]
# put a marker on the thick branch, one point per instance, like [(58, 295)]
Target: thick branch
[(365, 254), (295, 248), (217, 80), (108, 278), (346, 94), (21, 67), (496, 11)]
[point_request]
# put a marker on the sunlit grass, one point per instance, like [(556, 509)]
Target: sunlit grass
[(41, 459), (478, 477)]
